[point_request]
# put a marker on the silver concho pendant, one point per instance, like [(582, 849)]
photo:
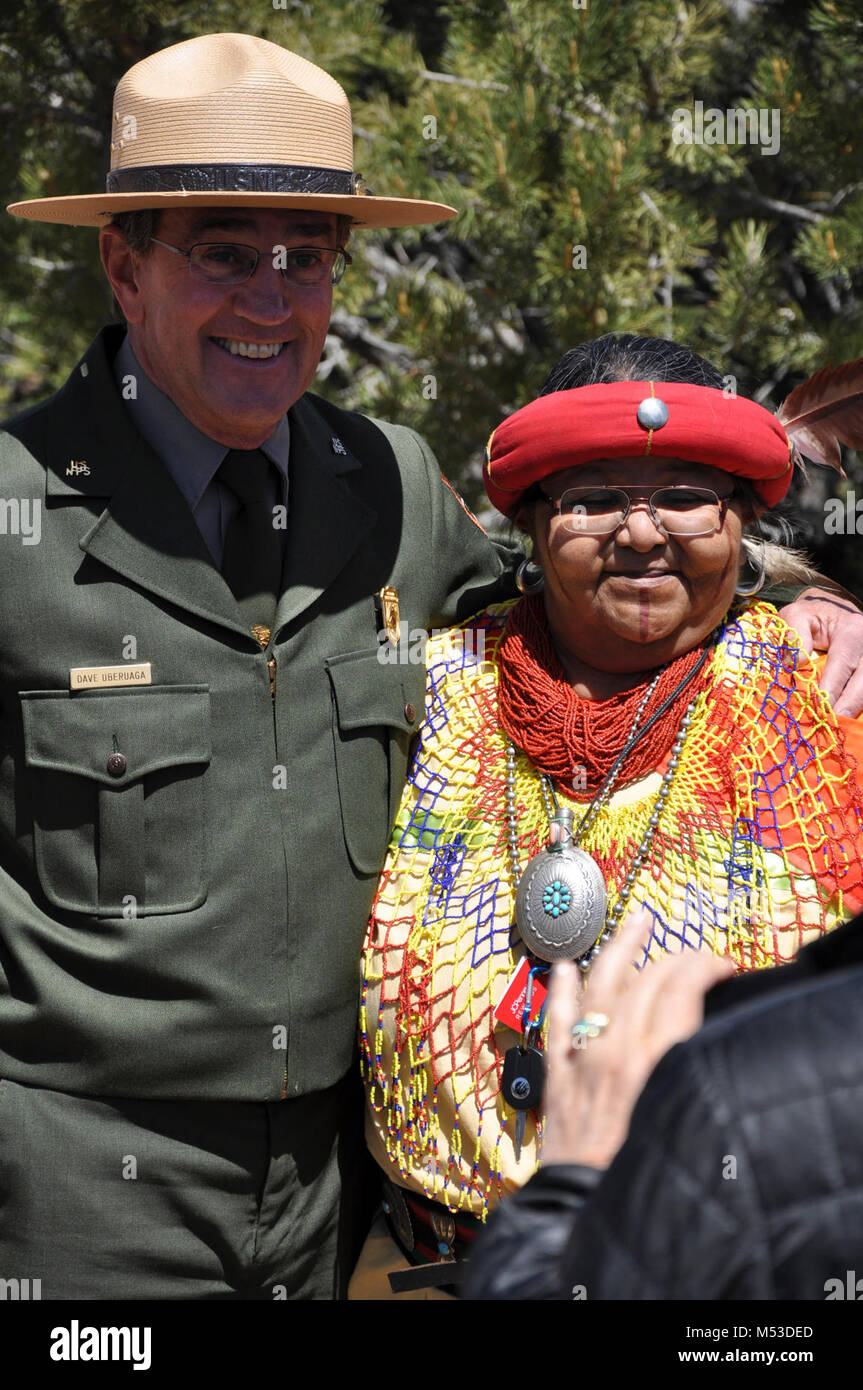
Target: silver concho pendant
[(561, 901)]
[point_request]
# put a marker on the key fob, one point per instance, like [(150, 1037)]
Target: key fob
[(523, 1076)]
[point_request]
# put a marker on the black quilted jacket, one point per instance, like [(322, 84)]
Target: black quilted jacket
[(742, 1175)]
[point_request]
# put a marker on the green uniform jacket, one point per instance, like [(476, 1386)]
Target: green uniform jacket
[(192, 927)]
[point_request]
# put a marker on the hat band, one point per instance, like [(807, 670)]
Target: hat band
[(234, 178)]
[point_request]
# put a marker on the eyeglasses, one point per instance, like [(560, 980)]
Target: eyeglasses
[(678, 510), (229, 263)]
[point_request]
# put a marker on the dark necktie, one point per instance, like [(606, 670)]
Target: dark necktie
[(252, 558)]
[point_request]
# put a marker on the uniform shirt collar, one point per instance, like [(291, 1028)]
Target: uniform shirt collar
[(191, 457)]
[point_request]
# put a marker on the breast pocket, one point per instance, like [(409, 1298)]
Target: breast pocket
[(377, 708), (118, 785)]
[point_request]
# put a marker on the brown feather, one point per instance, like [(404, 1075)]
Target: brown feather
[(826, 411)]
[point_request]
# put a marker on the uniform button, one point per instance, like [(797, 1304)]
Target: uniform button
[(410, 713), (116, 764)]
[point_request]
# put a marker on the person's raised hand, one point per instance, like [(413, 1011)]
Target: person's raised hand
[(594, 1077)]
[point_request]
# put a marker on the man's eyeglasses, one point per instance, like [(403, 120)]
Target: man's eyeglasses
[(677, 510), (229, 263)]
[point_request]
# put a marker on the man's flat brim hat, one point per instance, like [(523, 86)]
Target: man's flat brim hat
[(230, 120)]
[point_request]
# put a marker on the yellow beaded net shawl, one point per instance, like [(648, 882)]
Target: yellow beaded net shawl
[(757, 850)]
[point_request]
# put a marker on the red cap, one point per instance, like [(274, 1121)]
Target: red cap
[(661, 419)]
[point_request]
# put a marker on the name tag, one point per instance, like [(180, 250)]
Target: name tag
[(96, 677)]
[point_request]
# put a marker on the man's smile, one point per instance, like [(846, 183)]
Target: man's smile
[(241, 347)]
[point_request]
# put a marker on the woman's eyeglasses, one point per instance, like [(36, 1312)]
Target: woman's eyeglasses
[(677, 510)]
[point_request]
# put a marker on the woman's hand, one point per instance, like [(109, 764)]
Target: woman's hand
[(592, 1083)]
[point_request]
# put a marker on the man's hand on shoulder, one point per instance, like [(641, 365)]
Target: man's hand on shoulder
[(827, 622)]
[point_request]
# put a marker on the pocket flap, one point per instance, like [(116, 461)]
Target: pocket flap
[(165, 726), (370, 691)]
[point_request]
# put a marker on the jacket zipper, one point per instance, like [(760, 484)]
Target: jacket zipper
[(262, 635), (271, 667)]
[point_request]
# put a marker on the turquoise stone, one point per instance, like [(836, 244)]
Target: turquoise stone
[(556, 898)]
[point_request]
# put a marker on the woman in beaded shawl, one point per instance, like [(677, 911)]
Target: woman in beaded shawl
[(640, 699)]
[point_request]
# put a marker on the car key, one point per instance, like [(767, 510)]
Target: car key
[(521, 1086)]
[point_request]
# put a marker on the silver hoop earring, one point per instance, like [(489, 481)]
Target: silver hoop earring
[(750, 590), (529, 578)]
